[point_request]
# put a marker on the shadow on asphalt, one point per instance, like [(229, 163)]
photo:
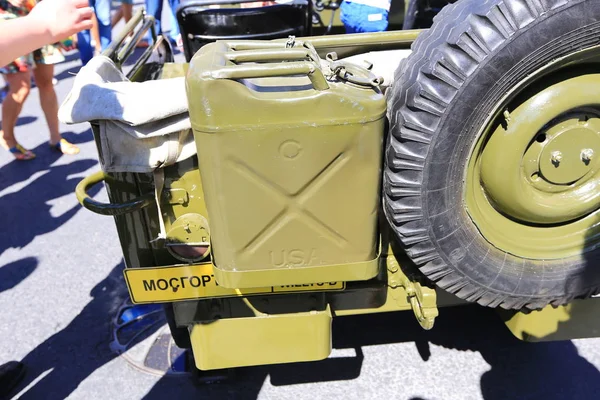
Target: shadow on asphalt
[(79, 138), (30, 214), (518, 370), (56, 367), (26, 120), (68, 73), (16, 272), (18, 171)]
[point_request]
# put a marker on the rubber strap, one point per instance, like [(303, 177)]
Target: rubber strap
[(173, 152), (159, 184)]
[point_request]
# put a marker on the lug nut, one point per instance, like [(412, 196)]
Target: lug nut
[(556, 157), (587, 155)]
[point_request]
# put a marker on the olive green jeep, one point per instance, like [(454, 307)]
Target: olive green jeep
[(313, 177)]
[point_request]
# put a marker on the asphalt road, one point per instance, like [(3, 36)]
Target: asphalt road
[(61, 285)]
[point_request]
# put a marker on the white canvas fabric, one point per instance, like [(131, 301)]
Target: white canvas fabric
[(143, 125)]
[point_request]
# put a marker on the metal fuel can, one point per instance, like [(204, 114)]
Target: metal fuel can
[(289, 151)]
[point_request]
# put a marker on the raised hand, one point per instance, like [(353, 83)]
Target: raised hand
[(62, 18)]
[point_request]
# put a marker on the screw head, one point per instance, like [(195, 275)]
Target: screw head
[(587, 155), (556, 157)]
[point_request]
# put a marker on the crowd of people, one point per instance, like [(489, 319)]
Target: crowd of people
[(33, 34), (38, 64)]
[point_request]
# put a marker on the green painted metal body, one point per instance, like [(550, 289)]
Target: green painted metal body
[(235, 121)]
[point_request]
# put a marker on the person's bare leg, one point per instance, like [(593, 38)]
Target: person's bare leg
[(19, 85), (127, 11), (43, 75), (117, 17), (95, 31)]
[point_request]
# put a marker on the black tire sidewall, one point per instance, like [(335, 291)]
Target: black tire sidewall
[(456, 238)]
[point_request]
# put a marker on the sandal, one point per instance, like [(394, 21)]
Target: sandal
[(65, 147), (22, 154)]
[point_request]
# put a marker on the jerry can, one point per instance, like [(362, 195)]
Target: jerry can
[(290, 155)]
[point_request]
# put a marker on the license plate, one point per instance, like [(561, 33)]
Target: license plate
[(167, 284)]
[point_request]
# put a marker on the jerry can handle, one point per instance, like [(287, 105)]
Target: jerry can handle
[(108, 209), (262, 55), (307, 68)]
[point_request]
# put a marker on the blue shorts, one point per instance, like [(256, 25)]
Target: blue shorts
[(358, 18)]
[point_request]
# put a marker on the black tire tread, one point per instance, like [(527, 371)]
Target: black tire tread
[(463, 36)]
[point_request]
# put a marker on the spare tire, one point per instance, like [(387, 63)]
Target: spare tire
[(492, 171)]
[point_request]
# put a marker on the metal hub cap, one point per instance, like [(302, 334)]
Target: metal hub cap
[(566, 157), (534, 176)]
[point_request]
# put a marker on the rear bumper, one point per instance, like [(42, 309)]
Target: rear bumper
[(262, 339)]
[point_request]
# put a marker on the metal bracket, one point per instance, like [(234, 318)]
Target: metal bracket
[(422, 299), (353, 73), (176, 196)]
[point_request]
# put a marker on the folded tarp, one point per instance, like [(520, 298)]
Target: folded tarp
[(143, 125)]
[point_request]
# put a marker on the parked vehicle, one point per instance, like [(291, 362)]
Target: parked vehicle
[(349, 174)]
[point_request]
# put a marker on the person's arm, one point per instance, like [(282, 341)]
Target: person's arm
[(50, 21)]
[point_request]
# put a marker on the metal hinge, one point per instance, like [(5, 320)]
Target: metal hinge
[(423, 299)]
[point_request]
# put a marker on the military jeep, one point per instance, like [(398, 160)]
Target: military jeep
[(349, 174)]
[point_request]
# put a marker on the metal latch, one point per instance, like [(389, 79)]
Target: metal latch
[(423, 300), (353, 73)]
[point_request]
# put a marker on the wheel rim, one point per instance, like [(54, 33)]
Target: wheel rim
[(533, 178)]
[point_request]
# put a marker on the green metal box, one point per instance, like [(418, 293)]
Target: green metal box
[(290, 156)]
